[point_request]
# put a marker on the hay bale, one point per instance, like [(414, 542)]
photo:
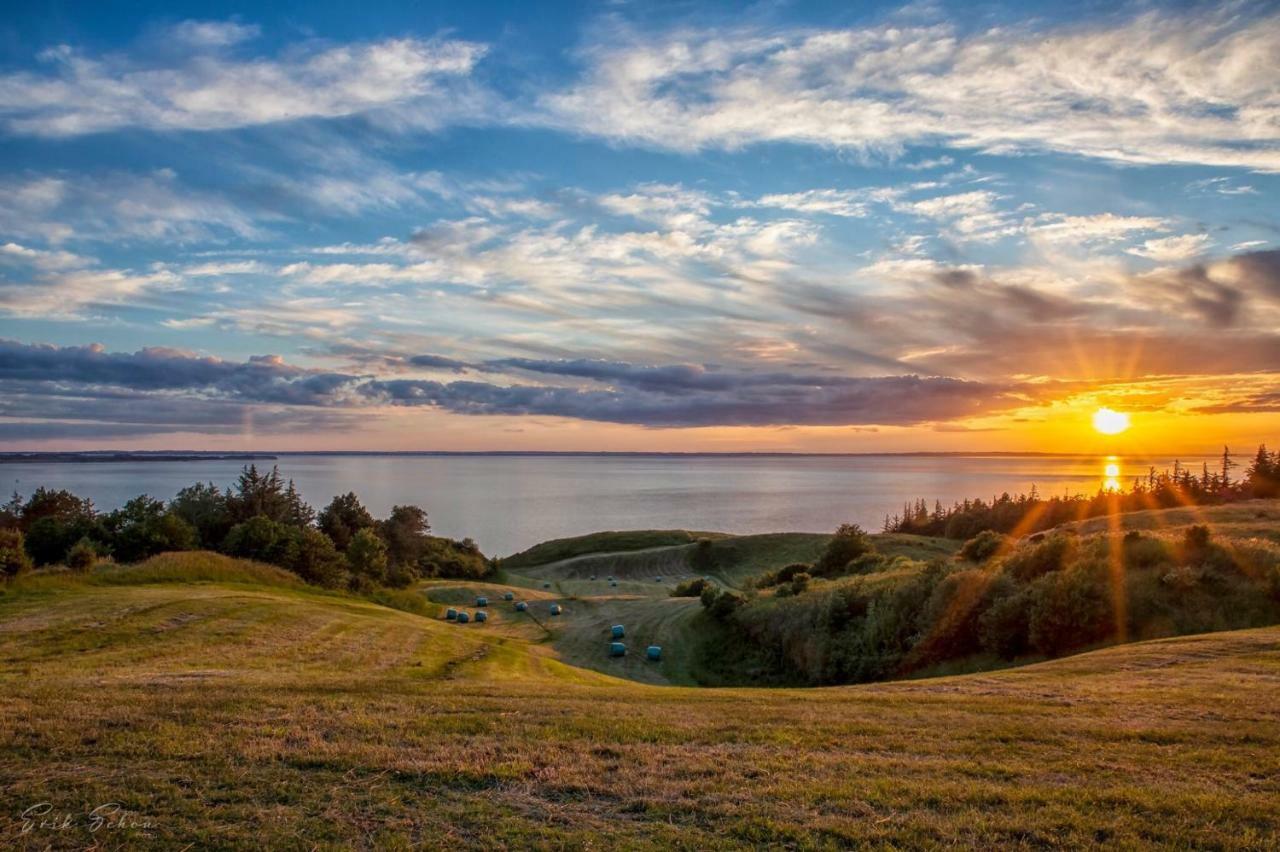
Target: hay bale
[(508, 596), (555, 609), (546, 585), (522, 606), (653, 653), (451, 613), (482, 601), (482, 616), (617, 649), (617, 631), (463, 618)]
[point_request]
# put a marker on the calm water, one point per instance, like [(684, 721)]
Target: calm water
[(507, 503)]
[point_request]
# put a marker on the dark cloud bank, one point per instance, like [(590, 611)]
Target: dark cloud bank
[(110, 388)]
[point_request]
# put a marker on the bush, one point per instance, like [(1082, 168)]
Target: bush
[(311, 555), (1142, 551), (14, 559), (367, 556), (1069, 610), (720, 604), (1034, 560), (259, 538), (845, 546), (983, 546), (49, 538), (702, 559), (783, 574), (1003, 626), (690, 588), (82, 556)]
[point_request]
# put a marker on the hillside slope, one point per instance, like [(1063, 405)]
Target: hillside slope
[(239, 715)]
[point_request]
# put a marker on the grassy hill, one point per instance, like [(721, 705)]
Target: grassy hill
[(242, 712)]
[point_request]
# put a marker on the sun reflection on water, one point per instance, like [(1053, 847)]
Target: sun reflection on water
[(1111, 474)]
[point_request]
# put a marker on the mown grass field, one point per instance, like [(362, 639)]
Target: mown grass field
[(246, 711)]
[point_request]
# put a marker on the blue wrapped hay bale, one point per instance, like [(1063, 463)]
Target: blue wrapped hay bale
[(613, 583), (482, 616), (463, 618), (618, 631), (522, 606), (654, 653), (617, 649), (555, 609), (451, 613), (508, 596), (482, 601)]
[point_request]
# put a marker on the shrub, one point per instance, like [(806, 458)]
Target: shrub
[(845, 546), (1034, 560), (1003, 626), (800, 582), (1142, 551), (867, 563), (367, 556), (1070, 609), (82, 556), (783, 574), (311, 555), (702, 559), (13, 554), (720, 604), (49, 538), (983, 546), (258, 538), (690, 588)]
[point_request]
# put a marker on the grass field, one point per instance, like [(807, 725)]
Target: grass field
[(245, 710)]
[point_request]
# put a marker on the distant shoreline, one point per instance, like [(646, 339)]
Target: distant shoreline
[(98, 456), (90, 457)]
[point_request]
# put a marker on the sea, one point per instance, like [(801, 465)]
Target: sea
[(507, 502)]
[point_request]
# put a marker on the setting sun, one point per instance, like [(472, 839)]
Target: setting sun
[(1110, 422)]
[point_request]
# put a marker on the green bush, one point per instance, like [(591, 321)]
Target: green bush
[(983, 546), (1034, 560), (783, 574), (720, 604), (82, 556), (311, 555), (1004, 625), (1070, 609), (845, 546), (690, 588), (367, 556), (14, 559)]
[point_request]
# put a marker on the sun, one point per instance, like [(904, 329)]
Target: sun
[(1110, 422)]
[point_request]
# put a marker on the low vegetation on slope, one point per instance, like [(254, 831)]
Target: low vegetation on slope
[(559, 549), (229, 715), (1009, 600)]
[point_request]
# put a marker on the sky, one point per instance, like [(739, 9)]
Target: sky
[(819, 227)]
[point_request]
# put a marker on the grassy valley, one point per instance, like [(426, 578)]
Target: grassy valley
[(222, 702)]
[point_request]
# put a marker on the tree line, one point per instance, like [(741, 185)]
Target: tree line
[(261, 517), (1029, 513)]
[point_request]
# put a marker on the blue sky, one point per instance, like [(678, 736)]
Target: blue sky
[(636, 226)]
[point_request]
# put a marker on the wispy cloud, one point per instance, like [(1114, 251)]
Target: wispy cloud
[(209, 89), (1196, 87)]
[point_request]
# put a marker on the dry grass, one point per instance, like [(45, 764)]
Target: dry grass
[(243, 716)]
